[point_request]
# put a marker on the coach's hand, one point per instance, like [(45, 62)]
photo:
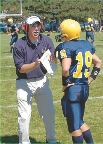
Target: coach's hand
[(37, 62)]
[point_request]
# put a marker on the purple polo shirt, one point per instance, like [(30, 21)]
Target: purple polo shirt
[(25, 53)]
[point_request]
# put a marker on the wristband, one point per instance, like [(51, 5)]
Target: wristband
[(95, 72), (65, 80)]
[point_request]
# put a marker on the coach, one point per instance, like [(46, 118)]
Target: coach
[(32, 81)]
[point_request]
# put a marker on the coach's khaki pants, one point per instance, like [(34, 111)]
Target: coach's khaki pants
[(39, 88)]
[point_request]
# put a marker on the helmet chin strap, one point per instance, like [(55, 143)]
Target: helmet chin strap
[(65, 38)]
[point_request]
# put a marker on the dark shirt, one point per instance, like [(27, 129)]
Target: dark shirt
[(13, 26), (25, 53)]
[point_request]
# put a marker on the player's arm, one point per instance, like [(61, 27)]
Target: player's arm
[(66, 63), (16, 29), (100, 30), (96, 68), (7, 32), (93, 29)]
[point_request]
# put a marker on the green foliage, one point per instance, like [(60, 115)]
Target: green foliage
[(52, 9)]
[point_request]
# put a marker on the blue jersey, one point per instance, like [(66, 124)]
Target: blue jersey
[(88, 26), (13, 26), (80, 51)]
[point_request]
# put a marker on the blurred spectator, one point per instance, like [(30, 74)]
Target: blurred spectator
[(96, 25), (101, 26)]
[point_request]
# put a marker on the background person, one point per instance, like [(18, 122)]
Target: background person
[(32, 81), (76, 57), (13, 30), (101, 26), (89, 30)]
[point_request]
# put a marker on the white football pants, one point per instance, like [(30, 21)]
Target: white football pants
[(39, 88)]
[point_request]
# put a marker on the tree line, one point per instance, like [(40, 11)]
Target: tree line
[(55, 10)]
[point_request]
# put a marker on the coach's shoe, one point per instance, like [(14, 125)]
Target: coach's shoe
[(51, 141)]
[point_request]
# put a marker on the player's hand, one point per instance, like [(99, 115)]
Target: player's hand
[(12, 34), (64, 87), (90, 80), (8, 33)]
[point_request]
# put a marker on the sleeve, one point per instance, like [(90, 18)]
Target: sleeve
[(93, 50), (18, 56), (60, 51)]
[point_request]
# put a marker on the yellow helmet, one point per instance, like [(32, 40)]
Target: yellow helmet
[(10, 20), (89, 20), (70, 29)]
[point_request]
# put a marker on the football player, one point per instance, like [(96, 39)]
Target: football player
[(76, 57), (14, 33), (89, 30)]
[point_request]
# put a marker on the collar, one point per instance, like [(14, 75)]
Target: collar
[(32, 44), (35, 42)]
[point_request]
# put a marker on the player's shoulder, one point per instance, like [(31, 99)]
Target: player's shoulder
[(88, 46), (61, 46), (86, 43), (69, 45), (90, 23), (83, 45), (13, 24)]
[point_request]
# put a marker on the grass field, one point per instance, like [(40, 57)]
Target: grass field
[(8, 102)]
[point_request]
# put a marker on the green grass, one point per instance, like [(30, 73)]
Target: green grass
[(8, 102)]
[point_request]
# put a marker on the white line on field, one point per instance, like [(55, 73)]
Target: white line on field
[(54, 77), (7, 67), (7, 57), (7, 80), (55, 102)]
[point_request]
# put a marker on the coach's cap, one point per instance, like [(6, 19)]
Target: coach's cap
[(33, 19)]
